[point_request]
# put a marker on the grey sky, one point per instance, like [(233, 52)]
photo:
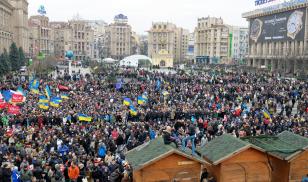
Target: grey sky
[(141, 13)]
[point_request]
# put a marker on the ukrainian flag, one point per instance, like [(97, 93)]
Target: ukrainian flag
[(127, 101), (44, 106), (64, 96), (133, 111), (141, 100), (54, 103), (266, 114), (47, 92), (83, 117), (58, 99), (43, 99)]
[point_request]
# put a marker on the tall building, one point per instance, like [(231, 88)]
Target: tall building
[(82, 39), (166, 38), (99, 37), (190, 48), (284, 51), (6, 27), (212, 38), (238, 43), (62, 38), (14, 24), (143, 44), (41, 36), (119, 38)]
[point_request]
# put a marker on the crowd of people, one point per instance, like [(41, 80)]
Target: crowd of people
[(186, 109)]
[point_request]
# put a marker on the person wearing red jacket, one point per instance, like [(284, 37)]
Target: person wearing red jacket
[(73, 172)]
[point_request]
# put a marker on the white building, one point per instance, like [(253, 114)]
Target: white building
[(239, 46)]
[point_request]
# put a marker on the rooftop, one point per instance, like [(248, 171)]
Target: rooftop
[(223, 147), (284, 146), (155, 150)]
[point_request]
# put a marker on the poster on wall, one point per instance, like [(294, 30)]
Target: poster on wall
[(285, 26)]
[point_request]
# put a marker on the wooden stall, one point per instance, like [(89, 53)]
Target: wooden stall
[(287, 153), (234, 160), (155, 161)]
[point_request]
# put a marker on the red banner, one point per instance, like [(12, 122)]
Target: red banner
[(16, 98), (2, 104), (63, 88), (13, 109)]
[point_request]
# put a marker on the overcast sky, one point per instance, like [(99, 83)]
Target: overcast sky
[(141, 13)]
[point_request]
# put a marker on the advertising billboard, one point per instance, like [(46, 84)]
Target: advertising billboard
[(285, 26)]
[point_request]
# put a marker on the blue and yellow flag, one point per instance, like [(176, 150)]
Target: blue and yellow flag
[(44, 106), (58, 99), (47, 92), (141, 100), (133, 111), (266, 114), (54, 103), (34, 86), (83, 117), (64, 96), (43, 99), (127, 101)]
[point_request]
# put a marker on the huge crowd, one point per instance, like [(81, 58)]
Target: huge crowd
[(186, 109)]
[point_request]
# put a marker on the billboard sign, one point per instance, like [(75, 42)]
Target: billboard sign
[(285, 26)]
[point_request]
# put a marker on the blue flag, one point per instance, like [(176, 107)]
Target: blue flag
[(119, 85), (158, 83), (47, 91)]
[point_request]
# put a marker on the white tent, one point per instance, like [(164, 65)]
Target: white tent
[(109, 60), (135, 60)]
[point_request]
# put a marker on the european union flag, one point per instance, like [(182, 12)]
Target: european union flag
[(119, 85)]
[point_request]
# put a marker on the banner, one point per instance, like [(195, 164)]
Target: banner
[(3, 105), (63, 88), (16, 98), (13, 109)]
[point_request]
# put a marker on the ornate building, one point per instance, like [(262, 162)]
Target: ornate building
[(41, 36), (14, 24)]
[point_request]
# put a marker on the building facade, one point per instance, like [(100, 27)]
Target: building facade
[(62, 39), (41, 36), (99, 37), (211, 39), (166, 38), (6, 28), (119, 38), (14, 24), (284, 51), (82, 39), (238, 43)]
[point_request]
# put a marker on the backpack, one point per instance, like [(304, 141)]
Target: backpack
[(101, 152)]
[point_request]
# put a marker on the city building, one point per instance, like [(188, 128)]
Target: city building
[(41, 36), (278, 38), (99, 35), (82, 39), (238, 44), (190, 55), (211, 40), (165, 39), (62, 39), (119, 38), (143, 44), (14, 24)]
